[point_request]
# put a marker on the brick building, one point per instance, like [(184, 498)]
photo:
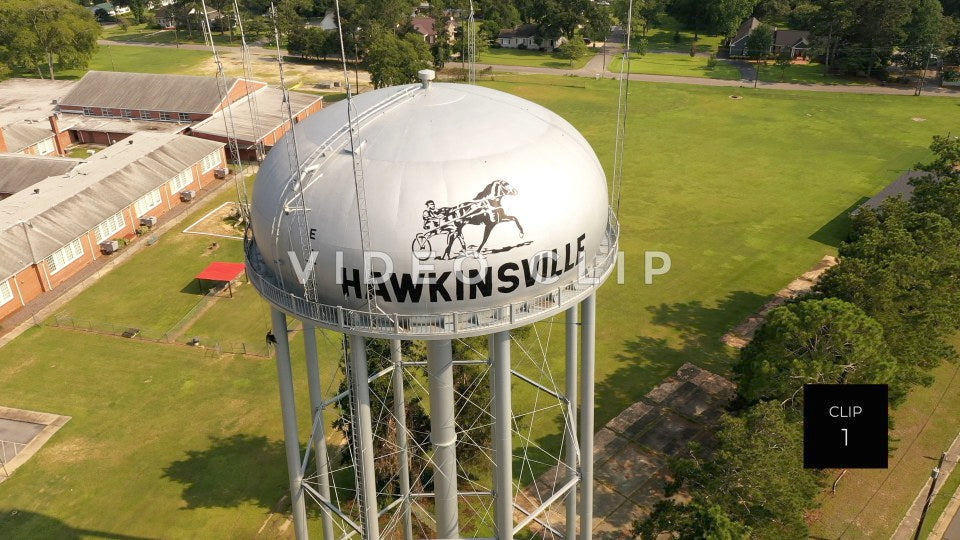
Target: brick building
[(56, 226)]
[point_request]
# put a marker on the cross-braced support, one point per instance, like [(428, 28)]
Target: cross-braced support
[(363, 431), (500, 380), (288, 409), (319, 438), (400, 415), (588, 331), (570, 457), (443, 436)]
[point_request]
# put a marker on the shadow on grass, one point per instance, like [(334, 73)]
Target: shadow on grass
[(646, 361), (836, 230), (27, 524), (231, 471)]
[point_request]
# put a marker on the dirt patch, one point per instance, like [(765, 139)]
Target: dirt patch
[(220, 222), (264, 67), (743, 332), (918, 119)]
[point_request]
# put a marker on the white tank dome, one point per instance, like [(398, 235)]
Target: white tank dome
[(457, 178)]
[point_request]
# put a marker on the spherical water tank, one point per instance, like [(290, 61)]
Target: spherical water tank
[(478, 198)]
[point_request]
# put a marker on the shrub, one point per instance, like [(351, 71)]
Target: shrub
[(522, 46), (712, 61)]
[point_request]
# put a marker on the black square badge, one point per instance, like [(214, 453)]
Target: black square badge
[(845, 426)]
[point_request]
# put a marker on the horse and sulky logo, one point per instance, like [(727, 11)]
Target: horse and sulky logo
[(486, 209)]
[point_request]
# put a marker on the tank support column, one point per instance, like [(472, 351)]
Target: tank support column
[(570, 458), (443, 436), (319, 439), (502, 434), (363, 432), (400, 414), (588, 332), (288, 409)]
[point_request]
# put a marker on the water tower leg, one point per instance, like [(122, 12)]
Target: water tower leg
[(570, 459), (400, 413), (364, 430), (588, 332), (502, 435), (443, 436), (320, 440), (288, 409)]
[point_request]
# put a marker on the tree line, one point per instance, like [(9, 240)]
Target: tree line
[(883, 315)]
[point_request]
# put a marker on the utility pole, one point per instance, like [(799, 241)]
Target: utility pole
[(933, 485), (923, 76)]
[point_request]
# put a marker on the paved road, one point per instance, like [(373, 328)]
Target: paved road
[(595, 67), (953, 531)]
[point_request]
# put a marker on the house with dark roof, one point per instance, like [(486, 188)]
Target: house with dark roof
[(525, 36), (796, 43)]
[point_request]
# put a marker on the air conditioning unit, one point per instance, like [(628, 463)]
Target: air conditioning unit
[(188, 195), (220, 173), (109, 246), (148, 221)]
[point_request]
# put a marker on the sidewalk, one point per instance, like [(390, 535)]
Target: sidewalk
[(908, 525)]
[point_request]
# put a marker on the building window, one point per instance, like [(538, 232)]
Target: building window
[(211, 161), (145, 115), (147, 202), (6, 292), (181, 181), (165, 116), (64, 256), (88, 111), (110, 226), (45, 147), (105, 112), (126, 113), (184, 117)]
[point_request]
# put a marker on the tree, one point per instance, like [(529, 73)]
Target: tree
[(38, 32), (755, 479), (138, 8), (783, 64), (695, 520), (387, 464), (925, 33), (393, 60), (902, 267), (573, 49), (760, 41), (817, 341)]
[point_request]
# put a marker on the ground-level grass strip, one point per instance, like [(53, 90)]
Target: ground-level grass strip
[(680, 65), (134, 59), (520, 57), (947, 491), (869, 503)]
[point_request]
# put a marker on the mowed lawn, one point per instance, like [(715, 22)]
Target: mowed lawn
[(803, 74), (141, 33), (744, 195), (519, 57), (681, 65), (134, 58)]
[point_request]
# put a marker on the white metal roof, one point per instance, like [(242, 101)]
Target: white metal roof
[(271, 114), (70, 204)]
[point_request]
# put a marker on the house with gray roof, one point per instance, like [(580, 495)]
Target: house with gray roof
[(796, 43)]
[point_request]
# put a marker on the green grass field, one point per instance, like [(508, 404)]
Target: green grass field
[(803, 74), (517, 57), (663, 37), (682, 65), (132, 58), (140, 33), (721, 185)]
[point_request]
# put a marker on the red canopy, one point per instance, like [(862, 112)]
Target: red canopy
[(222, 271)]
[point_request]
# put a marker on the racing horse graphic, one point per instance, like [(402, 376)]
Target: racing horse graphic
[(485, 209)]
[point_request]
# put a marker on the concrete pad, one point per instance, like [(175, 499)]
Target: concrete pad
[(20, 424), (629, 469), (638, 414), (669, 435)]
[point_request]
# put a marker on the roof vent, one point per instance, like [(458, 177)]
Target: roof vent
[(36, 191), (426, 75)]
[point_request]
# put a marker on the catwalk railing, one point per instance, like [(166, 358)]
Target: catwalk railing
[(460, 323)]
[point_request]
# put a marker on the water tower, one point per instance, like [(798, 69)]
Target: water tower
[(436, 212)]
